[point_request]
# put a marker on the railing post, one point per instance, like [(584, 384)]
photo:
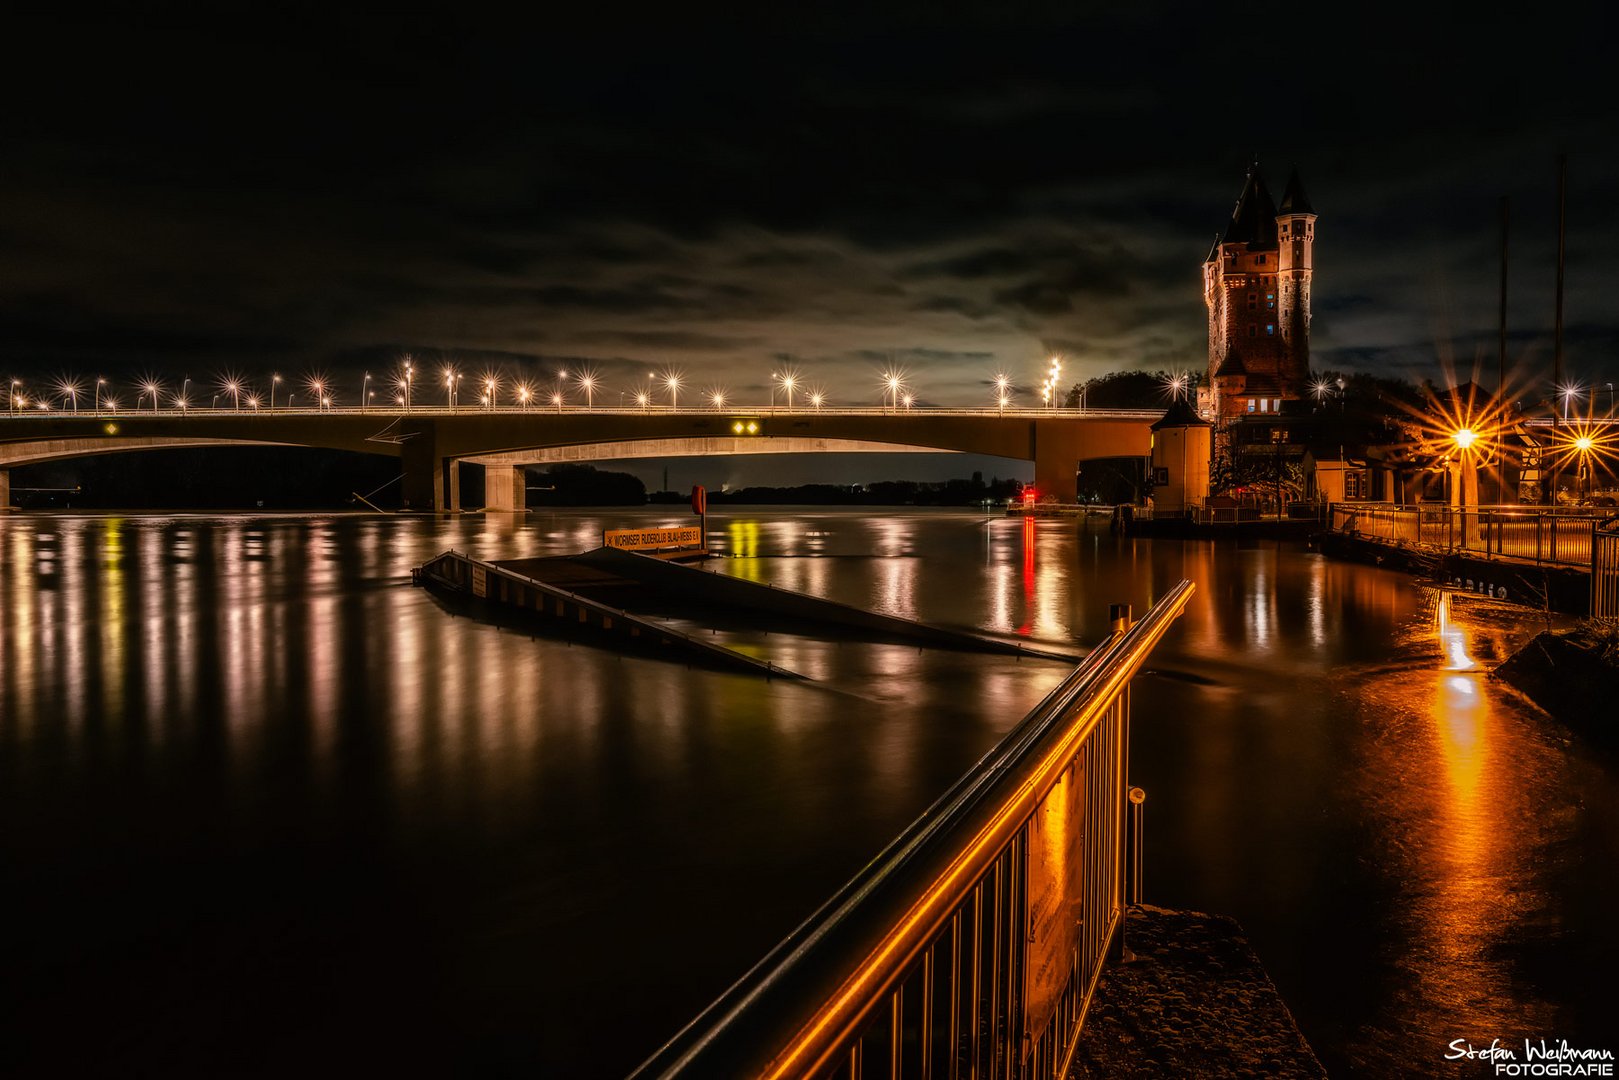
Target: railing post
[(1119, 621), (1138, 798)]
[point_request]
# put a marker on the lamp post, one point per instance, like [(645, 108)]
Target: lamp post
[(1277, 435), (99, 384), (365, 390), (672, 380), (275, 381), (1002, 384), (183, 403)]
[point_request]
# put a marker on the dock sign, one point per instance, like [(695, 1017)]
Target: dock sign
[(653, 539)]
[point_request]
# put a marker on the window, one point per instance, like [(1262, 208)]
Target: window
[(1253, 301), (1276, 406), (1262, 403), (1354, 484), (1250, 404), (1270, 329), (1260, 260), (1270, 301)]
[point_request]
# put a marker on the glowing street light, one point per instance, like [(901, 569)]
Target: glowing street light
[(893, 383), (491, 386), (1003, 386), (587, 383), (788, 381), (99, 384), (449, 388), (253, 402), (642, 398), (275, 381), (524, 392), (69, 389), (716, 398), (817, 399), (233, 387), (1465, 438), (182, 401), (317, 390), (556, 399), (365, 391), (151, 387), (672, 381), (909, 401), (1568, 393)]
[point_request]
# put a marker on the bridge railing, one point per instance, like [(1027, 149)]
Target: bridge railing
[(1543, 534), (972, 945), (572, 409)]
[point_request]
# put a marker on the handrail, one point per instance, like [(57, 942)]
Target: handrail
[(806, 1002)]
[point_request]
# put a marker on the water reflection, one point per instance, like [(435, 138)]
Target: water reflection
[(447, 819)]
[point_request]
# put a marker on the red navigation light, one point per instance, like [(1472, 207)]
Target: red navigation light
[(1028, 495)]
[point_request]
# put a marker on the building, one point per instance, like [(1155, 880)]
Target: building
[(1256, 284)]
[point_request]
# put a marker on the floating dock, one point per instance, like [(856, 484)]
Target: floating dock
[(610, 594)]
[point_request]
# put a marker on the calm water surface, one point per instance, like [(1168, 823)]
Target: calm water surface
[(266, 807)]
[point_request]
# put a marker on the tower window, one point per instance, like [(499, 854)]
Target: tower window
[(1250, 404), (1262, 403), (1270, 329), (1261, 260)]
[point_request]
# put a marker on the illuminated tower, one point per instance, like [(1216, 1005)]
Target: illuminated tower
[(1256, 284)]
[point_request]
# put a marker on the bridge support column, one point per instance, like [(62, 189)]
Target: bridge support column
[(1056, 451), (5, 487), (505, 487), (432, 481)]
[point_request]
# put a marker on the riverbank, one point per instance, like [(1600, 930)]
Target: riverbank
[(1194, 1001), (1574, 676), (1538, 586)]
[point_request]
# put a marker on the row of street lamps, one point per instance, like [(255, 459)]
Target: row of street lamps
[(896, 391)]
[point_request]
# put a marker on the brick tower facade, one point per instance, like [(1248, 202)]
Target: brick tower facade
[(1256, 283)]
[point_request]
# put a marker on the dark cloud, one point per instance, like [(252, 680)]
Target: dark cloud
[(323, 191)]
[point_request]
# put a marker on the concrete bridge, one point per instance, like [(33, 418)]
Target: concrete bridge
[(431, 443)]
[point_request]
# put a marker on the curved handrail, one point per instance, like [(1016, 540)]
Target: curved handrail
[(800, 1006)]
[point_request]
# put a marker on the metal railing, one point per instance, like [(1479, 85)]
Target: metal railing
[(1542, 534), (1605, 573), (972, 945)]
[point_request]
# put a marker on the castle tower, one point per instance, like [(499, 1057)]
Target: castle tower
[(1295, 227), (1256, 284)]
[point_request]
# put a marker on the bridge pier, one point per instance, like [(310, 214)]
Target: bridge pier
[(505, 487), (5, 487), (432, 481), (1056, 447)]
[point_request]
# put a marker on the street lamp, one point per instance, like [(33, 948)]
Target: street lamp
[(182, 401), (365, 390), (672, 380), (449, 388), (490, 386), (1003, 384), (892, 382), (523, 394), (275, 381), (788, 380), (716, 397), (233, 387), (587, 383), (817, 399), (99, 384), (149, 387)]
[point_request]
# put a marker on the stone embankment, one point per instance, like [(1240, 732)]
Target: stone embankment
[(1194, 1002), (1574, 676)]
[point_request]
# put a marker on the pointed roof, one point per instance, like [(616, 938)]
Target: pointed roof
[(1180, 414), (1231, 365), (1294, 200), (1214, 251), (1253, 222)]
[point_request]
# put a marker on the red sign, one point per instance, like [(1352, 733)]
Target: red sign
[(699, 500)]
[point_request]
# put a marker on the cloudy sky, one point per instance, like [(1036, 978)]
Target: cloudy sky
[(308, 193)]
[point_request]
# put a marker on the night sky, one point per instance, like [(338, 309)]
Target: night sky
[(317, 194)]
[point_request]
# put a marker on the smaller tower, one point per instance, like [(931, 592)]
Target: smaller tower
[(1295, 227)]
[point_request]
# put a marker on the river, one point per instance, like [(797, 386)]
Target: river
[(265, 807)]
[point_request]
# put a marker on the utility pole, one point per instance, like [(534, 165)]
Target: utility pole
[(1501, 368), (1557, 349)]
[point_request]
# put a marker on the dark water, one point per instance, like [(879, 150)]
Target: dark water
[(265, 808)]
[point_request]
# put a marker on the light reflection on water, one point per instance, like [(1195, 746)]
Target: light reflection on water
[(331, 809)]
